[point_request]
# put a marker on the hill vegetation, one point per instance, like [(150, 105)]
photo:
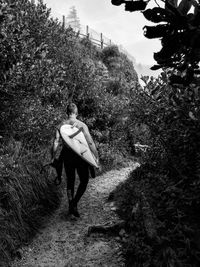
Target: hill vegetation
[(161, 200), (43, 68)]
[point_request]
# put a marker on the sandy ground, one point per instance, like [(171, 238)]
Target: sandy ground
[(63, 242)]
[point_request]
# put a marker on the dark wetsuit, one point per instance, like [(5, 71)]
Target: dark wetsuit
[(72, 163)]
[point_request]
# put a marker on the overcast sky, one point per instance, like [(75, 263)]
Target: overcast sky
[(120, 26)]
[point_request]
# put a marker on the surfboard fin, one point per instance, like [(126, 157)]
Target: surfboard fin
[(83, 152)]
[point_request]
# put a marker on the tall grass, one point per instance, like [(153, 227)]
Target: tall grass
[(26, 196)]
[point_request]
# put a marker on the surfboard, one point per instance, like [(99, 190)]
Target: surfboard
[(77, 143)]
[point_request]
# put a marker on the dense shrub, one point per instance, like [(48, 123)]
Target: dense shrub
[(167, 183), (43, 68), (27, 194), (51, 68), (162, 196)]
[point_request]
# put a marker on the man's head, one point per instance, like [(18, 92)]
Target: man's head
[(72, 109)]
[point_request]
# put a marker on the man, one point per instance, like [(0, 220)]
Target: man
[(72, 162)]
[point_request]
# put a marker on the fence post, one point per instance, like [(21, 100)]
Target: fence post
[(101, 41), (63, 24), (87, 32)]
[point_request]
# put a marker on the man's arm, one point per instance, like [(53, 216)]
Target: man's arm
[(55, 145)]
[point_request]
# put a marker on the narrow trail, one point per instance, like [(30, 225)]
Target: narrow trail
[(64, 241)]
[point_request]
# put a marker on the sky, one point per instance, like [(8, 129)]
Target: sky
[(122, 27)]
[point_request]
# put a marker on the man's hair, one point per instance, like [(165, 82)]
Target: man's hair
[(72, 109)]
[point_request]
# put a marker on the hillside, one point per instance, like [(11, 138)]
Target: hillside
[(44, 67)]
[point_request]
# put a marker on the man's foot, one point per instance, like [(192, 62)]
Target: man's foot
[(70, 207), (75, 211)]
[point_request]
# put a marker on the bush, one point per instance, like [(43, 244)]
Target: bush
[(26, 196), (44, 67), (166, 186)]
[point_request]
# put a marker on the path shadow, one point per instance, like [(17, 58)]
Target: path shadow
[(65, 216)]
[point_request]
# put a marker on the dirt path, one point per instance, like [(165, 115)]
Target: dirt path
[(64, 241)]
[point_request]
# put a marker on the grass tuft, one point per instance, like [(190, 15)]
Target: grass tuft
[(27, 195)]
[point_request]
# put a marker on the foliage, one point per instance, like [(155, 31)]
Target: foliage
[(168, 176), (167, 183), (172, 115), (178, 30), (49, 70), (26, 196), (43, 68), (105, 109)]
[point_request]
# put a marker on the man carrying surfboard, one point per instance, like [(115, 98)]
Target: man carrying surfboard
[(78, 151)]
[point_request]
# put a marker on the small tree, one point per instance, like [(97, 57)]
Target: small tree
[(73, 19), (169, 106)]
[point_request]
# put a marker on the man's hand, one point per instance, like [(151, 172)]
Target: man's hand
[(99, 165), (55, 146), (99, 168)]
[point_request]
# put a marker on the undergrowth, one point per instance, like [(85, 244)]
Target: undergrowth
[(111, 158), (162, 218), (27, 195)]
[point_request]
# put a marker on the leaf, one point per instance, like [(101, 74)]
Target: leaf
[(196, 20), (135, 5), (176, 100), (191, 115), (156, 31), (156, 67), (197, 71), (117, 2), (174, 79), (184, 6), (157, 15), (171, 5), (155, 90)]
